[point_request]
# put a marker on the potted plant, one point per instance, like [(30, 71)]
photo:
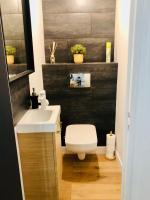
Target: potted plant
[(10, 52), (78, 51)]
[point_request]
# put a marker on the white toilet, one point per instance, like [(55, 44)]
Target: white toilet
[(81, 139)]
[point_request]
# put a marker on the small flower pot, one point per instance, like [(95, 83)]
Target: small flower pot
[(78, 58), (10, 59)]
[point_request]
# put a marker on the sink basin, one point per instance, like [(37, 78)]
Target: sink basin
[(38, 120), (37, 116)]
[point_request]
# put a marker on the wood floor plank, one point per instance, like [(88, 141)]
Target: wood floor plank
[(95, 178)]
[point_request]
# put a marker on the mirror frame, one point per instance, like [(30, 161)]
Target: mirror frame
[(28, 41)]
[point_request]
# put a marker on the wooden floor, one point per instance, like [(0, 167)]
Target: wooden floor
[(95, 178)]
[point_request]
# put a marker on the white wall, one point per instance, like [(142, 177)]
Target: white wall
[(121, 56), (36, 79)]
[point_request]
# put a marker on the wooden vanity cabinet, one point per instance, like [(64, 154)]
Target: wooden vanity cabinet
[(41, 164)]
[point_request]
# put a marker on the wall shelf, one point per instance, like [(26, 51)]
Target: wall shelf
[(86, 64)]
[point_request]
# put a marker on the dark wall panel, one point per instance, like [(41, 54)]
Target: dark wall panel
[(89, 22), (95, 105)]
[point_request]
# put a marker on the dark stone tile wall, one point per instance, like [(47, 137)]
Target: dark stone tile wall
[(78, 6), (95, 105), (20, 97), (90, 22), (13, 27)]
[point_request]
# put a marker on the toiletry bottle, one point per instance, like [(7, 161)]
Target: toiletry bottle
[(108, 52), (34, 100)]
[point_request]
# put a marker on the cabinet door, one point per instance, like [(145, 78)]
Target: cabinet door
[(38, 166)]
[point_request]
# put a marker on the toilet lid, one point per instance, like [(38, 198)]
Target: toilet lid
[(81, 134)]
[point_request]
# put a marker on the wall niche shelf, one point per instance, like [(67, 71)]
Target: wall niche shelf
[(86, 64)]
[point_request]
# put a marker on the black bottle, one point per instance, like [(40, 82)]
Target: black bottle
[(34, 100)]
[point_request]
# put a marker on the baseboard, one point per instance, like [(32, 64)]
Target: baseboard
[(100, 150), (119, 159)]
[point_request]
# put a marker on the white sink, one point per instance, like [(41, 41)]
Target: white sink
[(38, 120)]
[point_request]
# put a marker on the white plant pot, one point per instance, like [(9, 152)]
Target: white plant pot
[(10, 59), (78, 58)]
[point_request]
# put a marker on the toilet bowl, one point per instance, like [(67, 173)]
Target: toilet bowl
[(81, 139)]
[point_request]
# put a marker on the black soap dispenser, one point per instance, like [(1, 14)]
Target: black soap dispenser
[(34, 100)]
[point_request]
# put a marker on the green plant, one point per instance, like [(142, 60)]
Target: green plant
[(10, 50), (78, 49)]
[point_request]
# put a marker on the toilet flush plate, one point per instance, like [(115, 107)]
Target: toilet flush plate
[(80, 80)]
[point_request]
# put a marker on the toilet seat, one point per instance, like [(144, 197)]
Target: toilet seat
[(81, 134)]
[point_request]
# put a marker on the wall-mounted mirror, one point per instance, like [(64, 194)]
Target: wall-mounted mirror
[(18, 37)]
